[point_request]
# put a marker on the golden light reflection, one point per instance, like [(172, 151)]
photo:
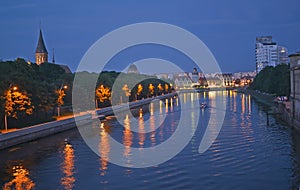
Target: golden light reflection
[(243, 103), (21, 179), (212, 94), (127, 140), (167, 105), (104, 149), (171, 105), (161, 118), (141, 132), (151, 108), (152, 127), (249, 103), (141, 113), (234, 101), (184, 98), (68, 167)]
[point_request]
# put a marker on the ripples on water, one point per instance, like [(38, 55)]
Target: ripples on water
[(247, 154)]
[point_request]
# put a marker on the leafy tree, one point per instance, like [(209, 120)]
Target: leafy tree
[(16, 102), (103, 93), (273, 80)]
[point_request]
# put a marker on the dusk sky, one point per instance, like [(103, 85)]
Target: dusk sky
[(228, 28)]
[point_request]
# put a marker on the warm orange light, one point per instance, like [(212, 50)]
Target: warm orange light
[(15, 88), (65, 87), (68, 179), (141, 112), (21, 179), (104, 149), (128, 135)]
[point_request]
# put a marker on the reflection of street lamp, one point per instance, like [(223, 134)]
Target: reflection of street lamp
[(61, 95), (9, 101)]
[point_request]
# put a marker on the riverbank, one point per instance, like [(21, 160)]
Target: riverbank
[(50, 128), (263, 98), (279, 108)]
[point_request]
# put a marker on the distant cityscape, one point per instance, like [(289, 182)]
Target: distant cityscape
[(267, 53)]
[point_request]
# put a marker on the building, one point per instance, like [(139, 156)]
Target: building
[(41, 53), (133, 69), (195, 76), (283, 55), (295, 89), (268, 53), (182, 81)]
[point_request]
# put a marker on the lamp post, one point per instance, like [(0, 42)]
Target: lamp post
[(8, 95), (61, 94)]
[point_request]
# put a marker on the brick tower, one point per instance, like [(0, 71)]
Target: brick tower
[(41, 53)]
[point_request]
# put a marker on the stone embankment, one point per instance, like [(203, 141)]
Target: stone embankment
[(46, 129)]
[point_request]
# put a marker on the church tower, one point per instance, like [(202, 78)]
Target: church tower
[(41, 53)]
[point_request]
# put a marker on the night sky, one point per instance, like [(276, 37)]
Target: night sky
[(228, 28)]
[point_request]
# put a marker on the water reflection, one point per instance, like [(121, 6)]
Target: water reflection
[(249, 104), (68, 167), (104, 148), (21, 179), (127, 140), (167, 105), (141, 131), (241, 156), (243, 103)]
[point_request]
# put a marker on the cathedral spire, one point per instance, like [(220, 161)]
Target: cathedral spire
[(53, 60), (41, 48), (41, 53)]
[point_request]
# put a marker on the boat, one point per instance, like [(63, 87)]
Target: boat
[(203, 105)]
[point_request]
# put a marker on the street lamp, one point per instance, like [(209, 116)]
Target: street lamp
[(9, 95), (61, 95)]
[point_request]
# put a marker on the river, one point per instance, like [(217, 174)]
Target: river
[(247, 154)]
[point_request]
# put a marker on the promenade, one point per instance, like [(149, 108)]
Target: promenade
[(18, 136)]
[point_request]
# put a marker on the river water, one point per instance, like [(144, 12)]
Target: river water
[(247, 154)]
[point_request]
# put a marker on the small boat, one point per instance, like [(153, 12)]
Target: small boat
[(203, 105)]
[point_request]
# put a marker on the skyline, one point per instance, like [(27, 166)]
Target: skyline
[(228, 29)]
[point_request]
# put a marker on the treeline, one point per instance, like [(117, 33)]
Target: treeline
[(45, 86), (39, 83), (273, 80), (115, 87)]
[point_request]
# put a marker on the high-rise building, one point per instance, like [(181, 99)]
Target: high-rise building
[(268, 53), (283, 55), (41, 53)]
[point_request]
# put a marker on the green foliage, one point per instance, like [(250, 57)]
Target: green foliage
[(41, 82), (273, 80), (38, 82)]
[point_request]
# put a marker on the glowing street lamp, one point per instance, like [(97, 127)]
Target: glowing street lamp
[(15, 102), (9, 101), (61, 95)]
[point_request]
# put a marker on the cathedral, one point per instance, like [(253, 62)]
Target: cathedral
[(41, 54)]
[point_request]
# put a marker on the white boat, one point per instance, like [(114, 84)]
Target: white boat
[(203, 105)]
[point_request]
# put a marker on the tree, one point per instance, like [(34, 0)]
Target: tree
[(139, 89), (103, 93), (126, 90), (16, 102), (166, 88), (273, 80), (160, 89), (151, 89)]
